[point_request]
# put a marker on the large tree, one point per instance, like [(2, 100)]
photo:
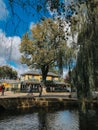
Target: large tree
[(42, 45)]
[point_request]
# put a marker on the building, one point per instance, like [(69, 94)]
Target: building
[(37, 76), (11, 84), (34, 79)]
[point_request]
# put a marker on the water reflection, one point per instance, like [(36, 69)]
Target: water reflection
[(88, 121), (41, 119)]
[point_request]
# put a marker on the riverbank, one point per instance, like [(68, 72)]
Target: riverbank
[(48, 100), (24, 100)]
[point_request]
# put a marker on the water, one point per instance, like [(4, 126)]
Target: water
[(48, 120)]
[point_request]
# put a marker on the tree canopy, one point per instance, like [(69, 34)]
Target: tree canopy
[(43, 46), (83, 18), (6, 72)]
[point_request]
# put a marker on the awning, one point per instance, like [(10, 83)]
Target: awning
[(6, 85)]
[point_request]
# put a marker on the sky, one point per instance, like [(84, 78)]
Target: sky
[(16, 18)]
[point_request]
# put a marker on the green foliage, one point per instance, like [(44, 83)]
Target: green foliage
[(43, 47), (83, 21), (85, 70), (7, 72)]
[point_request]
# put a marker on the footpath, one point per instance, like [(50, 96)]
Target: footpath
[(10, 94)]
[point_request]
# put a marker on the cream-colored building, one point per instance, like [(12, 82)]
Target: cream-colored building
[(34, 79), (36, 75)]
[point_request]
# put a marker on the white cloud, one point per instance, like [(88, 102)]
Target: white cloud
[(21, 68), (9, 47), (2, 61), (3, 10), (9, 52)]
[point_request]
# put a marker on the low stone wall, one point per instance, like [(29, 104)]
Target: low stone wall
[(30, 102)]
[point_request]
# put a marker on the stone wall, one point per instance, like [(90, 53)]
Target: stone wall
[(29, 102)]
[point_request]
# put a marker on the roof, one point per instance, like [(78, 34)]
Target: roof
[(36, 72)]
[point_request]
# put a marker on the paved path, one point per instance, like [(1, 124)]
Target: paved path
[(9, 94)]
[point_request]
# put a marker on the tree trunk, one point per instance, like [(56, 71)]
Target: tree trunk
[(44, 69)]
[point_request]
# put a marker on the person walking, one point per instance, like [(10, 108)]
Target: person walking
[(3, 89), (30, 90), (40, 90)]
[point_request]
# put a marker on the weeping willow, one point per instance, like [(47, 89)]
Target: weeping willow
[(87, 59)]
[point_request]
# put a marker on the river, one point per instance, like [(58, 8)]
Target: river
[(66, 119)]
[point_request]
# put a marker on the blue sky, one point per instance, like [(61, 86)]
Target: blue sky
[(16, 18), (19, 14)]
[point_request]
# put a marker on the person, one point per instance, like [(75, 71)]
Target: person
[(2, 88), (40, 90), (28, 89), (30, 92)]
